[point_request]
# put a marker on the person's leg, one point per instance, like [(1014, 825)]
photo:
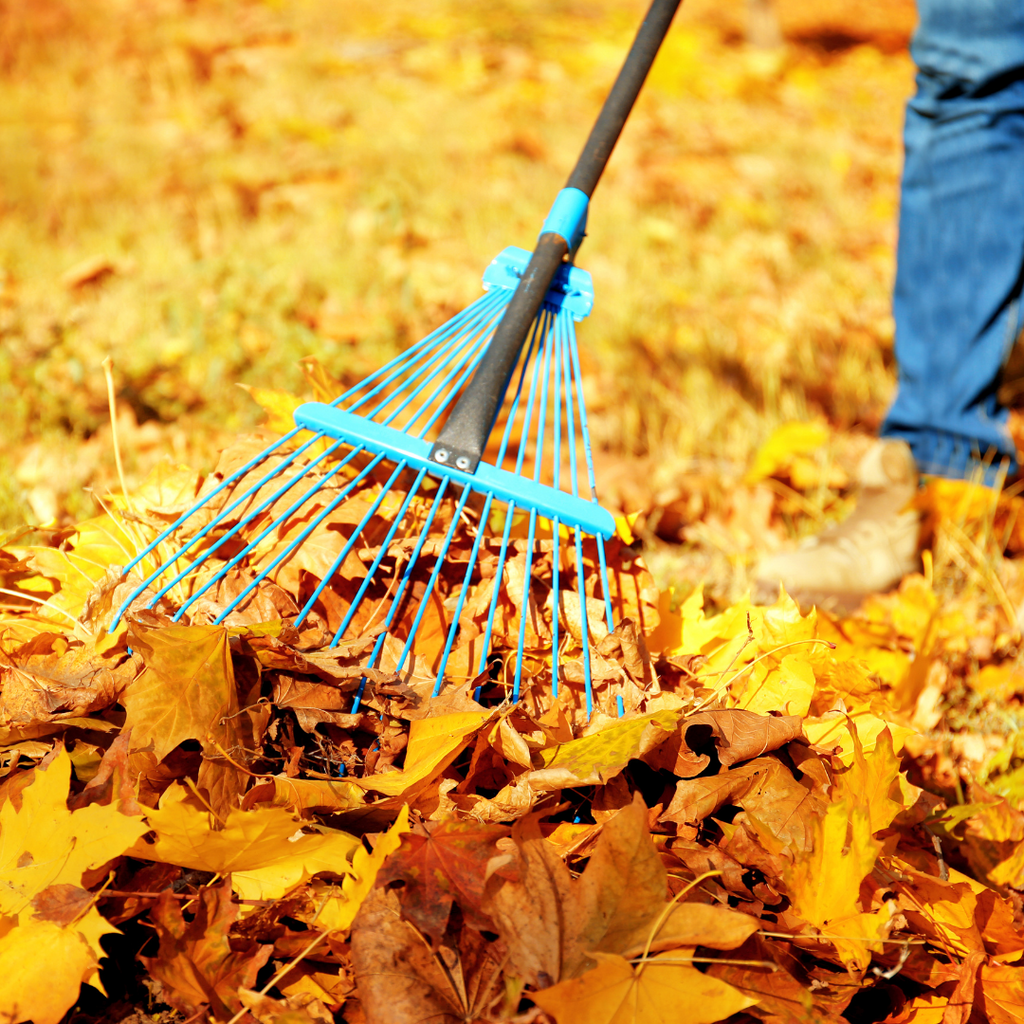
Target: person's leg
[(957, 301), (960, 257)]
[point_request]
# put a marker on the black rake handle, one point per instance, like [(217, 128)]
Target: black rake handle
[(464, 435)]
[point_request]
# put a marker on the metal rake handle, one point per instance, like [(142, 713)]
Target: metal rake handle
[(464, 436)]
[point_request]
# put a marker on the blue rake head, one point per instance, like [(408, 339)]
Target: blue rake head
[(517, 533)]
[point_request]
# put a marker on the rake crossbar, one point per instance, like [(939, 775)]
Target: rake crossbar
[(415, 453)]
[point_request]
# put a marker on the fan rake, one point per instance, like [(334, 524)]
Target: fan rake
[(478, 431)]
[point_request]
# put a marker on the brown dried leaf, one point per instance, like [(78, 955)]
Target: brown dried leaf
[(50, 676), (729, 735), (198, 965), (552, 923), (61, 903), (186, 691), (398, 978)]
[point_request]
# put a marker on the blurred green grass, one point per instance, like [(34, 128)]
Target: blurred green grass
[(209, 192)]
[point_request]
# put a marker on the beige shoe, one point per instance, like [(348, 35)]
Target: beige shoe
[(869, 552)]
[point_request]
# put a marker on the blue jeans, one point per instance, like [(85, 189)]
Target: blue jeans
[(960, 257)]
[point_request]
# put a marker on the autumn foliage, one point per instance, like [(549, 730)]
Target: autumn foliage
[(745, 839), (801, 814)]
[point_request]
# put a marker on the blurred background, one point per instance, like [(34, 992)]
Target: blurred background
[(209, 192)]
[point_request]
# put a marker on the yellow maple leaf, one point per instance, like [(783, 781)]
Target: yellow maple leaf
[(339, 908), (43, 966), (593, 760), (43, 844), (787, 689), (833, 731), (824, 886), (44, 851), (264, 850), (659, 990), (433, 744), (278, 405), (873, 781), (67, 576)]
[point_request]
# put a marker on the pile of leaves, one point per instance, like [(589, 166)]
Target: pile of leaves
[(764, 834)]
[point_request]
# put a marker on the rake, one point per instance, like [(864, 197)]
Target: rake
[(425, 433)]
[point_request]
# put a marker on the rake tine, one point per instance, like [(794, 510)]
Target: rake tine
[(433, 577), (185, 516), (499, 573), (268, 529), (589, 455), (454, 627), (556, 555), (466, 370), (249, 517), (440, 340), (584, 625), (538, 462), (580, 586), (526, 604), (383, 550), (400, 591), (392, 530), (480, 323), (349, 544), (243, 522)]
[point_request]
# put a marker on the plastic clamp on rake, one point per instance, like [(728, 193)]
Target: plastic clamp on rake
[(572, 289)]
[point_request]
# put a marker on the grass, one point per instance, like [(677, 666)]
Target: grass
[(266, 181)]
